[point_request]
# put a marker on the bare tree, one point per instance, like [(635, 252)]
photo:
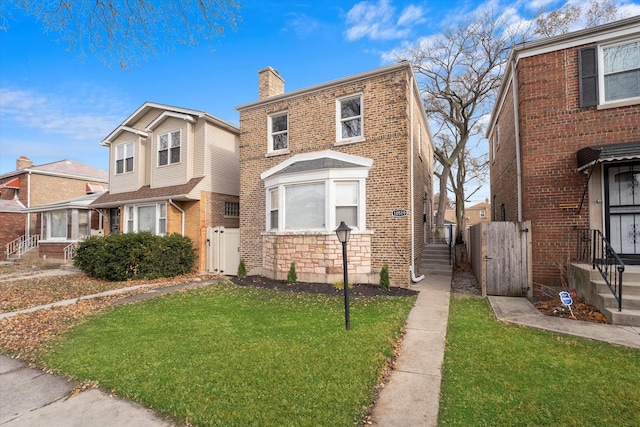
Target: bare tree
[(459, 72), (562, 20), (125, 31)]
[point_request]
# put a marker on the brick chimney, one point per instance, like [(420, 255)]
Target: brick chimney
[(23, 162), (269, 83)]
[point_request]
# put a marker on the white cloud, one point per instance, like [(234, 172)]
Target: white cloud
[(302, 25), (379, 21), (77, 113)]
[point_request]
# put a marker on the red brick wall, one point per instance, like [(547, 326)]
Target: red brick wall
[(553, 128), (11, 227)]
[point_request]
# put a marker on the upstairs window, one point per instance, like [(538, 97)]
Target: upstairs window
[(169, 148), (483, 213), (621, 71), (349, 124), (278, 132), (124, 158)]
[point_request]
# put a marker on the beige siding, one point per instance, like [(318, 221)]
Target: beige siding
[(222, 161), (172, 174), (199, 138), (130, 181)]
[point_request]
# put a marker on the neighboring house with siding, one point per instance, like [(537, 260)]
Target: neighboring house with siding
[(172, 170), (358, 150), (565, 143), (31, 186)]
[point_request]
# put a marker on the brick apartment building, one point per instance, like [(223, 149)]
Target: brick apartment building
[(172, 170), (565, 142), (30, 186), (358, 150)]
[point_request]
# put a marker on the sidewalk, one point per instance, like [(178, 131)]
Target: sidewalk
[(412, 394)]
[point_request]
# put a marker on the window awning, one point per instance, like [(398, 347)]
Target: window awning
[(590, 156), (14, 183)]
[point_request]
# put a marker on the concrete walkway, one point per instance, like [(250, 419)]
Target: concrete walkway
[(31, 397), (412, 394)]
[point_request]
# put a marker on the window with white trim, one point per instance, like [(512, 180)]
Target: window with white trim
[(169, 148), (124, 158), (349, 118), (149, 217), (278, 132), (483, 213), (621, 71), (316, 206), (273, 209)]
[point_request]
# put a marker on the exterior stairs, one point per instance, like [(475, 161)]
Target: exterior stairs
[(607, 304), (435, 260)]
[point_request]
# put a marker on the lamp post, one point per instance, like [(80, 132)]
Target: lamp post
[(344, 232)]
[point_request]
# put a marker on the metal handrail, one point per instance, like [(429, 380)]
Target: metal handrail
[(21, 245), (70, 250), (609, 264)]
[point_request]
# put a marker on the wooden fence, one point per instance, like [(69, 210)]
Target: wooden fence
[(500, 254)]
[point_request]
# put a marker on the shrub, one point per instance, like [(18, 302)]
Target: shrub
[(242, 270), (292, 277), (119, 257), (340, 285), (384, 278)]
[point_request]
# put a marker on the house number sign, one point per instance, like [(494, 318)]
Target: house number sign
[(399, 212)]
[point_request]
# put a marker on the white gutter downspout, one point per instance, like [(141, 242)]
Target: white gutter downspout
[(28, 230), (412, 267), (516, 121), (181, 214)]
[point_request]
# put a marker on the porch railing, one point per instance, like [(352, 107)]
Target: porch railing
[(443, 234), (70, 250), (594, 248), (21, 245)]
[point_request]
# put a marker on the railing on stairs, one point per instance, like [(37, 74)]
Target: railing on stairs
[(21, 245), (594, 248), (443, 234), (70, 250)]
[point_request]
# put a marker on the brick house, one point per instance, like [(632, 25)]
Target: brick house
[(565, 142), (172, 170), (475, 214), (31, 186), (358, 150)]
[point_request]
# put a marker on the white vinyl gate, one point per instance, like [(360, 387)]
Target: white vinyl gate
[(223, 250)]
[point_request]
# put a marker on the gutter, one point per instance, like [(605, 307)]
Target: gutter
[(412, 267)]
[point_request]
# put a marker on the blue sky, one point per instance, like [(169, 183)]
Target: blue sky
[(55, 105)]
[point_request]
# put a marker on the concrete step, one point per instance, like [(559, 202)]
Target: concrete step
[(626, 317), (628, 302), (628, 288)]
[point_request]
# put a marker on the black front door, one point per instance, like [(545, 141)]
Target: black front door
[(114, 220), (622, 210)]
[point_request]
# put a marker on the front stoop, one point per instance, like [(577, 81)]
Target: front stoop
[(604, 300), (435, 260)]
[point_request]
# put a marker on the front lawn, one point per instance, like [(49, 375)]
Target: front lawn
[(497, 374), (230, 355)]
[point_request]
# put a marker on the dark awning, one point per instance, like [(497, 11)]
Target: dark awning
[(589, 156)]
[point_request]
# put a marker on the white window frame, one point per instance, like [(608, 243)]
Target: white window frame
[(129, 153), (271, 133), (131, 218), (339, 119), (329, 203), (601, 74), (483, 213), (170, 147)]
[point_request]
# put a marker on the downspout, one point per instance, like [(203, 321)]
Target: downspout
[(412, 267), (516, 121), (181, 214)]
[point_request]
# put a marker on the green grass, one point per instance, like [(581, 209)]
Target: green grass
[(498, 374), (237, 356)]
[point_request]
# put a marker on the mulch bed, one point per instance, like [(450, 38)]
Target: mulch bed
[(355, 290)]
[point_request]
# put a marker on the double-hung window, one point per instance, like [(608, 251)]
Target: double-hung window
[(347, 202), (278, 132), (621, 71), (273, 209), (169, 148), (151, 218), (124, 158), (349, 122)]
